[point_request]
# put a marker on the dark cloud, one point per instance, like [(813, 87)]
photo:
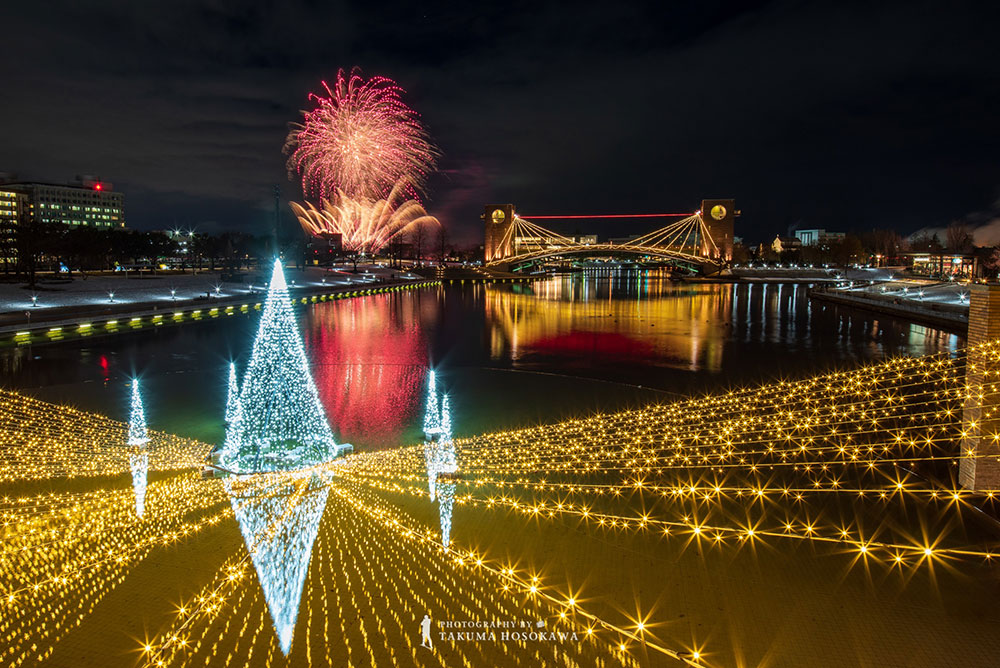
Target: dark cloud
[(843, 114)]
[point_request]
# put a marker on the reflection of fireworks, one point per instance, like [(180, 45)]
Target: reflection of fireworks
[(360, 139), (364, 225), (376, 352)]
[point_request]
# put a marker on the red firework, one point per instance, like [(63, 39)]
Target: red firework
[(360, 138)]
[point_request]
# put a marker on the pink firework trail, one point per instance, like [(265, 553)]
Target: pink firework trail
[(364, 226), (359, 139)]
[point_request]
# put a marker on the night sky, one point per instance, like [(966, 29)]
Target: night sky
[(844, 115)]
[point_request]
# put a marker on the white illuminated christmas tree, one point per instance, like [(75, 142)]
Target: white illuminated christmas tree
[(440, 456), (279, 423), (232, 395), (432, 414), (137, 434)]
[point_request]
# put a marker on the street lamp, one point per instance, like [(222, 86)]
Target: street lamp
[(173, 293), (111, 296), (34, 300)]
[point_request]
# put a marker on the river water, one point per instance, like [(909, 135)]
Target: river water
[(509, 354)]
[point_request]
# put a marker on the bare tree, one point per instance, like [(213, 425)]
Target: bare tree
[(886, 242), (847, 251), (392, 250), (30, 242), (924, 242), (418, 244), (442, 239), (991, 263), (402, 239), (959, 237)]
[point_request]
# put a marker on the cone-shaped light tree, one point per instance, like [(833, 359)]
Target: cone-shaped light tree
[(439, 454), (432, 414), (279, 529), (232, 395), (446, 505), (137, 434), (139, 463), (445, 419), (279, 422)]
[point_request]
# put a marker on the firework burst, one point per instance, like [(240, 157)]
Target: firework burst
[(365, 225), (359, 139)]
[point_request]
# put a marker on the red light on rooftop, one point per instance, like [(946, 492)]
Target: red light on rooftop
[(98, 186)]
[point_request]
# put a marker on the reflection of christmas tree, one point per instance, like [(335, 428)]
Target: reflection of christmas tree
[(439, 455), (139, 463), (279, 422), (137, 419), (446, 501), (279, 527)]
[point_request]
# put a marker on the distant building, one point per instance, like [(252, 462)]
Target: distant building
[(622, 241), (818, 237), (185, 245), (944, 264), (782, 244), (324, 248), (89, 202), (528, 244), (12, 204), (183, 238)]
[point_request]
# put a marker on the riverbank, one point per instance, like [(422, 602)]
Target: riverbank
[(812, 274), (110, 290), (942, 305), (84, 320)]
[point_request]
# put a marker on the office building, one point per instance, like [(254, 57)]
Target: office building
[(818, 237), (88, 201)]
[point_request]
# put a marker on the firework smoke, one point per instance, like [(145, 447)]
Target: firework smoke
[(361, 140)]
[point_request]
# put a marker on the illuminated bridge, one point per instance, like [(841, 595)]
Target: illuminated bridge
[(701, 241)]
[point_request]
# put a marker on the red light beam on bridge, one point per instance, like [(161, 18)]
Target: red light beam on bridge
[(612, 215)]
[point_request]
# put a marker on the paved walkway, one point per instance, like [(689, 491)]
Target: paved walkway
[(109, 294)]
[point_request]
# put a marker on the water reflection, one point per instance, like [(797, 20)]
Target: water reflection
[(641, 319), (439, 455), (369, 355), (446, 499), (370, 358), (279, 524), (139, 463)]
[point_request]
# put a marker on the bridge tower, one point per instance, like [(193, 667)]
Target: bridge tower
[(720, 218), (498, 219), (979, 469)]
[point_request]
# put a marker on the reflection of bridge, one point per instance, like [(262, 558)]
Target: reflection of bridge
[(701, 243)]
